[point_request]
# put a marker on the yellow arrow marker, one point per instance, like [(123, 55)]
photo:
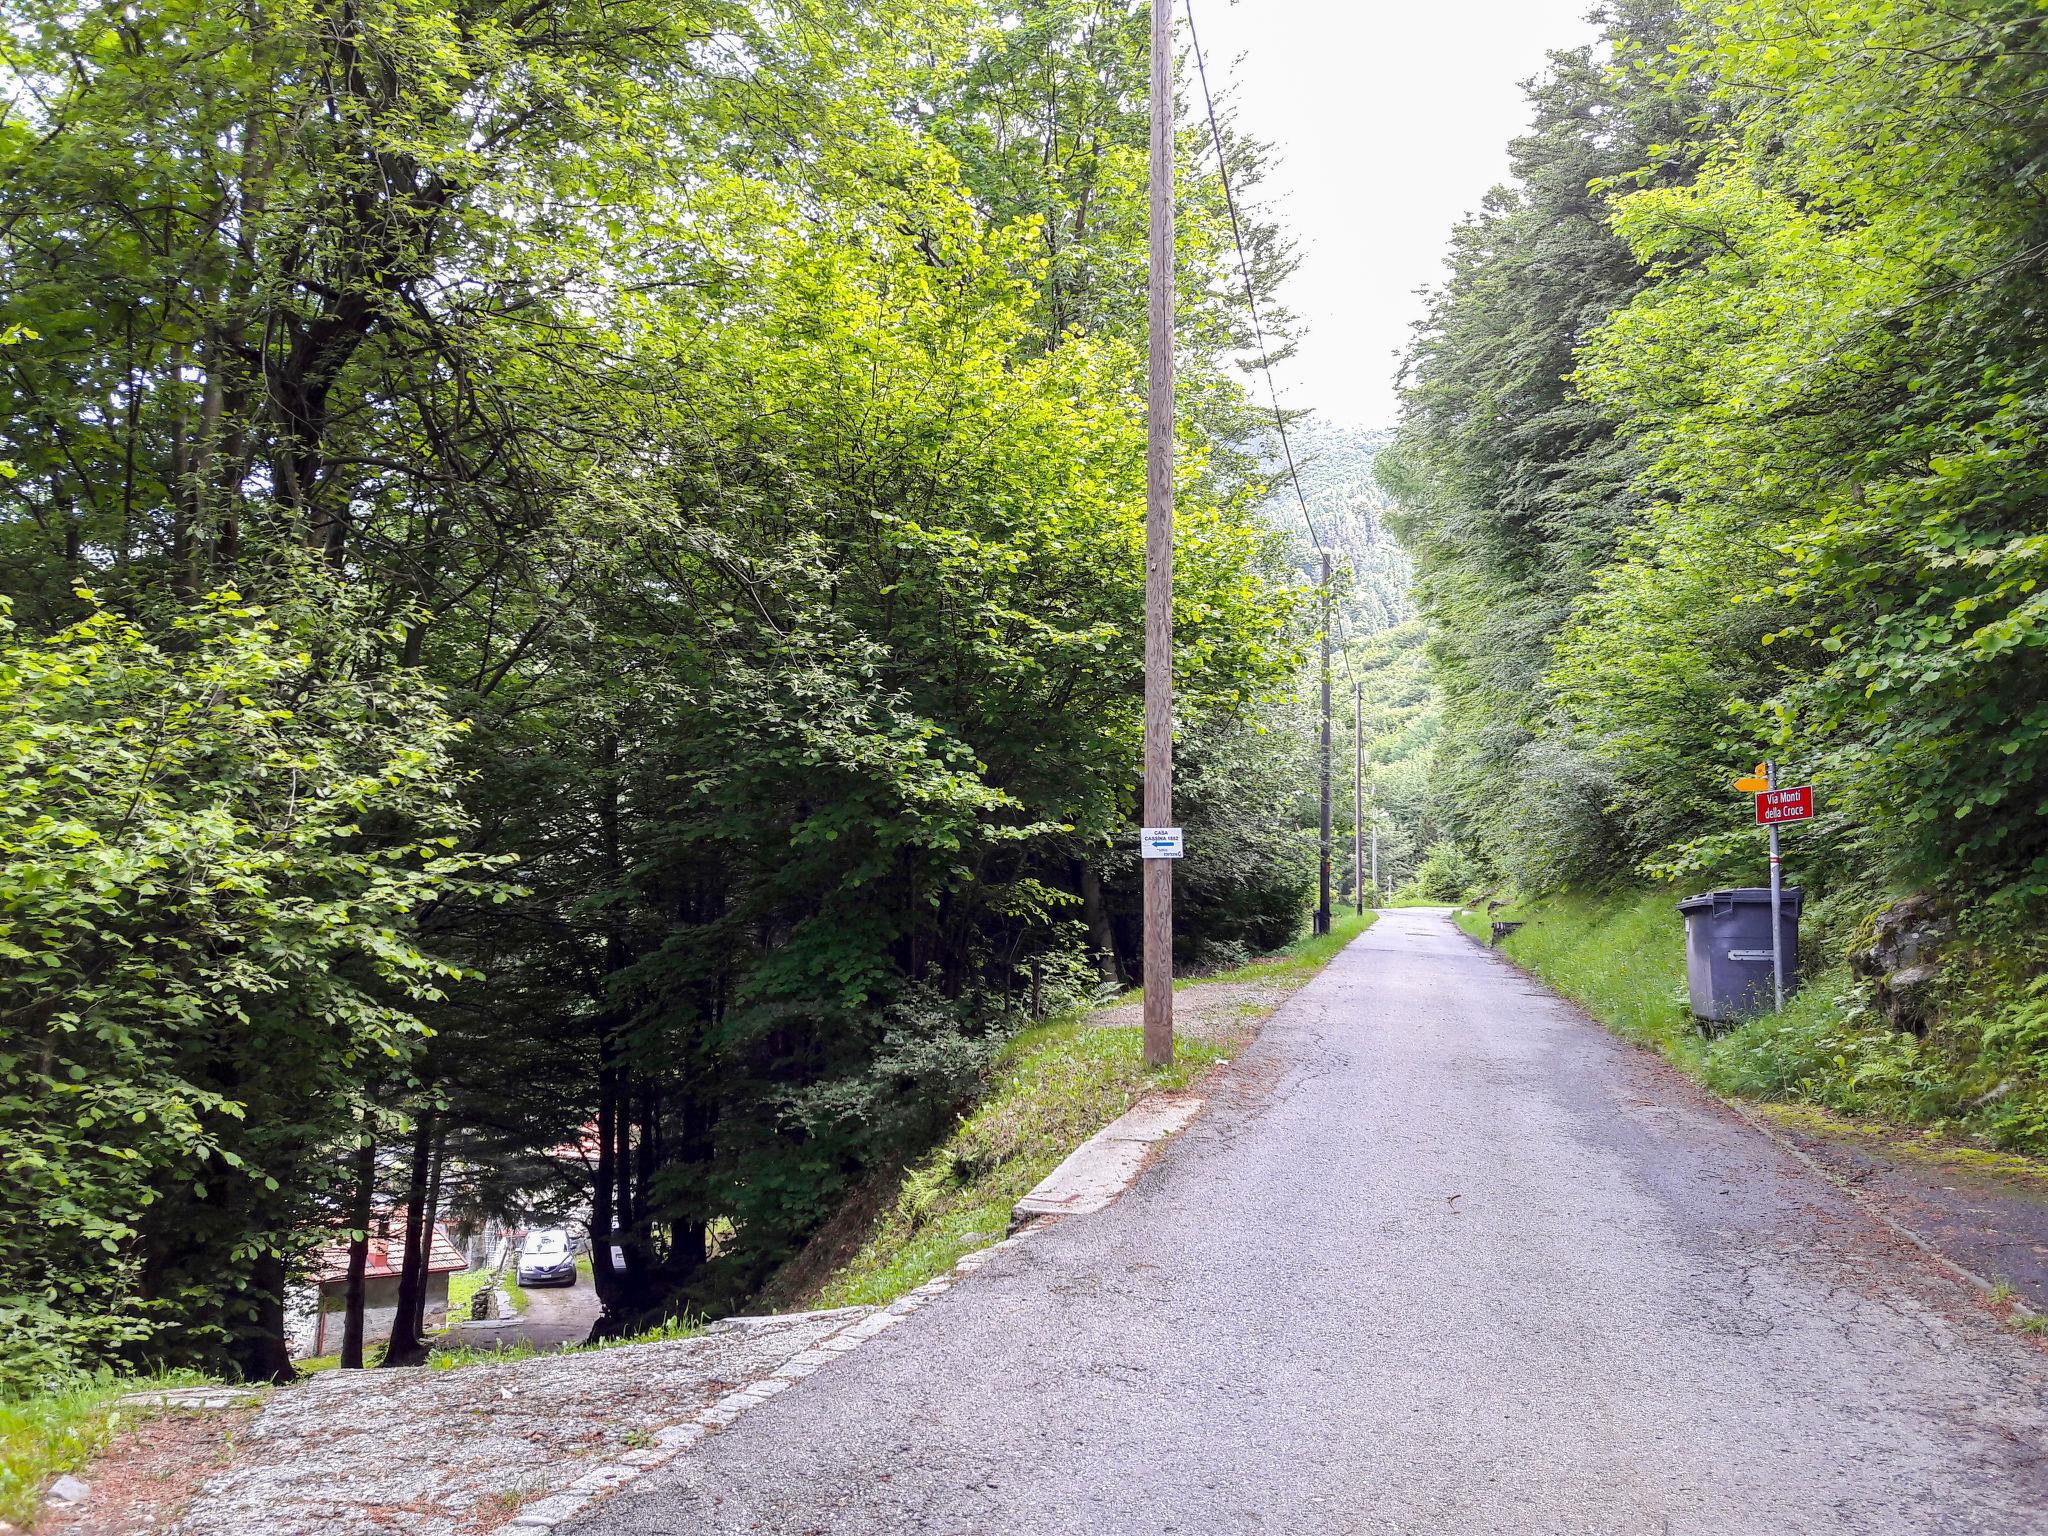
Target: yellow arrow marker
[(1756, 783)]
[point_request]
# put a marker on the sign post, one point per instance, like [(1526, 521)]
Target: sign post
[(1777, 895), (1775, 807), (1161, 843)]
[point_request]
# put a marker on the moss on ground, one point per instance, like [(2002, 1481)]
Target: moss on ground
[(1927, 1147)]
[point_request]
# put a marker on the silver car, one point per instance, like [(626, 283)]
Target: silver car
[(547, 1257)]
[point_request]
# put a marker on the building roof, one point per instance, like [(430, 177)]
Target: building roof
[(387, 1253)]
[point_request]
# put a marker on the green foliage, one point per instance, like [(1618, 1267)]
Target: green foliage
[(1401, 721), (1833, 370), (1511, 486), (1337, 475), (210, 849), (1446, 873), (1775, 494), (755, 464)]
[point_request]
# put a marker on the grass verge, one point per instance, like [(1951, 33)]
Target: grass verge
[(45, 1436), (1056, 1085), (463, 1288), (1297, 962), (1621, 957)]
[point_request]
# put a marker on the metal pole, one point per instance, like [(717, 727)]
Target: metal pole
[(1323, 898), (1158, 873), (1777, 901), (1375, 855), (1358, 794)]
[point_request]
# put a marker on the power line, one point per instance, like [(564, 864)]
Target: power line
[(1258, 325)]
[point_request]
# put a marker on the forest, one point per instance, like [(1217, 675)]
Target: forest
[(573, 582), (1722, 443)]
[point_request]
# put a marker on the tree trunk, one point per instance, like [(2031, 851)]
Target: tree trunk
[(433, 1217), (623, 1212), (1102, 937), (263, 1353), (612, 1211), (689, 1238), (406, 1346), (358, 1255), (640, 1253), (602, 1275)]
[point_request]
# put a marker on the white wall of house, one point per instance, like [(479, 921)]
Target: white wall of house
[(380, 1306)]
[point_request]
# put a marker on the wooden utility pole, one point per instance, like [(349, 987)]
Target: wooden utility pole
[(1358, 795), (1323, 900), (1158, 872)]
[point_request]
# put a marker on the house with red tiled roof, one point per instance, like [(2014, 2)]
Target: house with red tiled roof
[(380, 1283)]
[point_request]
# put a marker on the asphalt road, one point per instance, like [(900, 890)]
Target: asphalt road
[(1442, 1257)]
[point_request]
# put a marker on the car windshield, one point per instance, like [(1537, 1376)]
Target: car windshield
[(546, 1245)]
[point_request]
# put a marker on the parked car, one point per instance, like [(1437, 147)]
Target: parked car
[(547, 1257)]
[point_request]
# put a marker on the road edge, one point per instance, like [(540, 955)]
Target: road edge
[(1864, 1202), (1144, 1128)]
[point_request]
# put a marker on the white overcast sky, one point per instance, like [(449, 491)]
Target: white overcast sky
[(1391, 119)]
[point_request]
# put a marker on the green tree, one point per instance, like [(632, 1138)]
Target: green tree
[(725, 416), (1832, 380), (1511, 485), (212, 850)]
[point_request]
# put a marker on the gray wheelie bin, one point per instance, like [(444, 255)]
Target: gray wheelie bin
[(1728, 950)]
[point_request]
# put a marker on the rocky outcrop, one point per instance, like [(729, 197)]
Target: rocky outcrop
[(1900, 961)]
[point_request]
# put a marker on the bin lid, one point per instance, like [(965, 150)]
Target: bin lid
[(1743, 896)]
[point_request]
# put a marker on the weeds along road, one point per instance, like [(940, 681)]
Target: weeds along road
[(1442, 1257)]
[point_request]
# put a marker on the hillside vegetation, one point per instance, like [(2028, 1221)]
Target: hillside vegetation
[(572, 625), (1722, 444)]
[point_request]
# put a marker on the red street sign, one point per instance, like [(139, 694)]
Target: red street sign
[(1777, 805)]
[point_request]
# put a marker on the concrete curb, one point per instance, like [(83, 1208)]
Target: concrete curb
[(557, 1509), (1090, 1177), (1104, 1165)]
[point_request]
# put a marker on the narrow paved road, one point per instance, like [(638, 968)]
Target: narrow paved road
[(1443, 1258)]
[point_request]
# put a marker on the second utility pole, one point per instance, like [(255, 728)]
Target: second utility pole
[(1323, 901), (1358, 796), (1158, 873)]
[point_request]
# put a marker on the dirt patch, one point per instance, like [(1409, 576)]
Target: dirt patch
[(1226, 1012), (150, 1472), (1987, 1212)]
